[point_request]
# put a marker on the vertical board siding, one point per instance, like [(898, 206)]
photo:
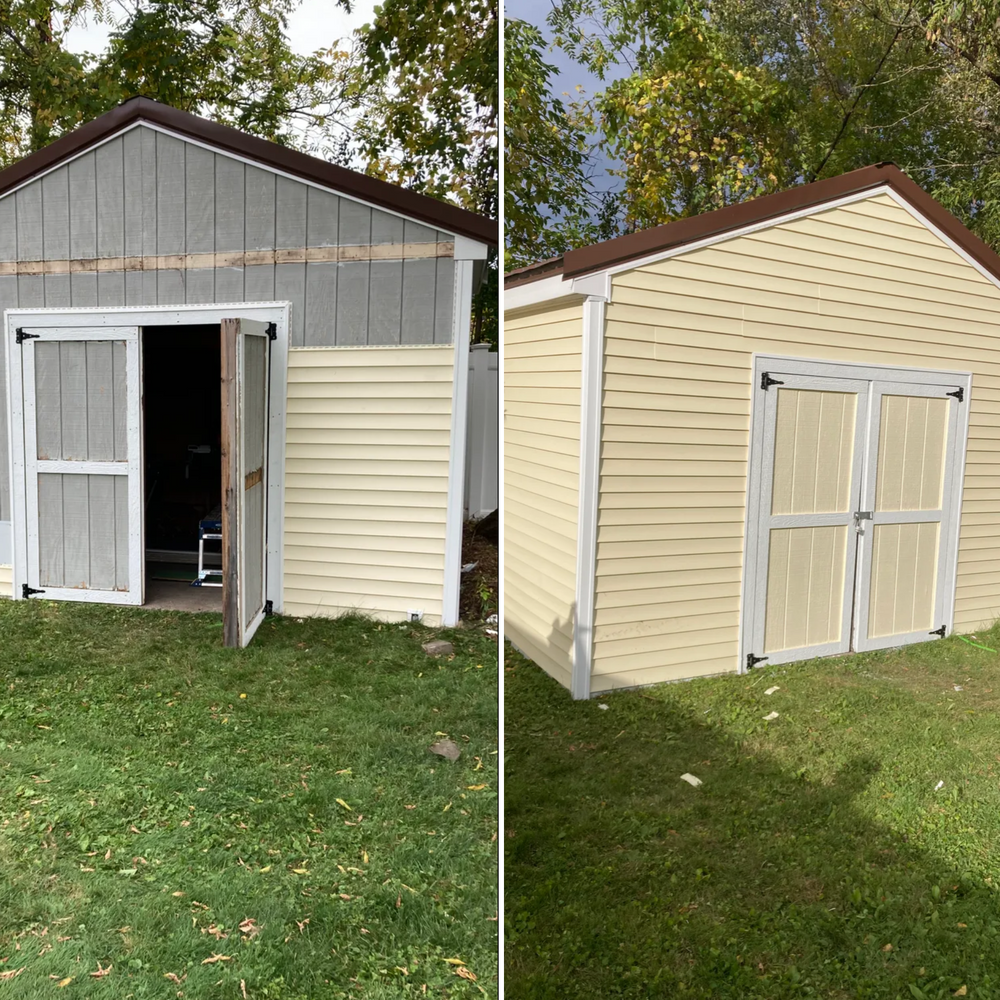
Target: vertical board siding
[(366, 481), (542, 364), (146, 193), (863, 283)]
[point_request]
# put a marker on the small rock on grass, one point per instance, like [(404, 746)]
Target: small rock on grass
[(446, 748), (438, 647)]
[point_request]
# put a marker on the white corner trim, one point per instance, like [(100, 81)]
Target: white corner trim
[(591, 379), (549, 290), (456, 460), (466, 249)]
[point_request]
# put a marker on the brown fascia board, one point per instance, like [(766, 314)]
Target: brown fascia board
[(587, 260), (430, 211)]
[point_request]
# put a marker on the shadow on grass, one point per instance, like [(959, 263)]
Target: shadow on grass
[(624, 881)]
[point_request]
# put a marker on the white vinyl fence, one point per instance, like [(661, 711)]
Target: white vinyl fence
[(482, 458)]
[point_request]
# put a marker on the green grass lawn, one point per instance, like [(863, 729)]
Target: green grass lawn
[(817, 859), (259, 823)]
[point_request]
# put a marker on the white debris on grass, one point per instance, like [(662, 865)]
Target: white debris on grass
[(958, 687), (603, 707), (939, 786), (772, 690), (691, 780), (771, 717)]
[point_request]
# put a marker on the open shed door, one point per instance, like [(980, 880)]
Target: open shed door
[(245, 356), (78, 471)]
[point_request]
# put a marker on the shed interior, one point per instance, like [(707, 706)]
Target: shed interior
[(183, 466)]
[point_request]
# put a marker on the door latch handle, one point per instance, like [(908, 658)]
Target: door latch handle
[(862, 515)]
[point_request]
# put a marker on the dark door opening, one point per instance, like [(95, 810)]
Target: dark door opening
[(182, 462)]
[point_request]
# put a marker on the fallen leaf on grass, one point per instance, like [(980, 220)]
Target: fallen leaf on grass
[(215, 931), (960, 992), (217, 958), (178, 894), (135, 829), (475, 788), (174, 978), (887, 947), (266, 868), (771, 716), (466, 973), (101, 972), (64, 982), (243, 982), (249, 928), (455, 961), (342, 803), (11, 973), (409, 807), (771, 690)]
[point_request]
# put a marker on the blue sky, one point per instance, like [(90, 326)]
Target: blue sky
[(569, 73)]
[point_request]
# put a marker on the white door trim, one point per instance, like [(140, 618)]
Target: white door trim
[(167, 315), (856, 371)]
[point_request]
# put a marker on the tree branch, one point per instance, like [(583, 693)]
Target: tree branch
[(861, 90)]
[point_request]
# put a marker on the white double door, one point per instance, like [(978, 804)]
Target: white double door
[(76, 419), (853, 509)]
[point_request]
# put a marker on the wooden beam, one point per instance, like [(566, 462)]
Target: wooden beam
[(249, 258), (230, 487)]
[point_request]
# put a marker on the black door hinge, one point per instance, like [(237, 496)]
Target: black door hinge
[(766, 380), (959, 394), (942, 631), (22, 336), (269, 607), (272, 331), (27, 591), (752, 660)]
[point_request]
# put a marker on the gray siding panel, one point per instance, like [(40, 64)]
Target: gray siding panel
[(321, 305), (419, 287), (199, 171), (110, 199), (290, 285), (29, 222), (355, 224), (386, 228), (170, 223), (83, 289), (83, 208), (133, 288), (57, 291), (8, 299), (258, 283), (55, 214), (352, 302), (413, 232), (111, 288), (8, 229), (229, 204), (444, 301), (132, 182), (169, 287), (200, 286), (290, 213), (30, 291), (385, 302), (147, 202), (322, 214), (260, 209), (229, 284)]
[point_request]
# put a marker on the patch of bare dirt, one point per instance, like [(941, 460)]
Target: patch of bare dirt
[(479, 593)]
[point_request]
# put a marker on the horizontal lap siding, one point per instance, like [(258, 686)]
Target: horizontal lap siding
[(861, 283), (6, 581), (542, 358), (366, 480)]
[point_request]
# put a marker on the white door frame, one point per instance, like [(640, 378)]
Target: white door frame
[(141, 316), (954, 473)]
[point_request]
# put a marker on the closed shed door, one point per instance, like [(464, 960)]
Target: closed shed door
[(851, 511)]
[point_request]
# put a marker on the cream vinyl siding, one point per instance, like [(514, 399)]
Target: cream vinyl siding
[(6, 581), (864, 283), (542, 363), (366, 480)]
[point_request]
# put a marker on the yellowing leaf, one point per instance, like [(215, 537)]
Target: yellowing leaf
[(11, 973), (475, 788), (242, 695), (301, 871), (212, 959), (266, 868), (454, 961), (341, 802), (64, 982)]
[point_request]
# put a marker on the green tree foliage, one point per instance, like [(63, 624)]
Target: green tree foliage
[(710, 102)]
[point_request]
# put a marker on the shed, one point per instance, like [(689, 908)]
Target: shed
[(150, 256), (759, 435)]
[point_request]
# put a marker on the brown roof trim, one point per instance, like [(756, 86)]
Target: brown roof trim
[(422, 208), (586, 260)]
